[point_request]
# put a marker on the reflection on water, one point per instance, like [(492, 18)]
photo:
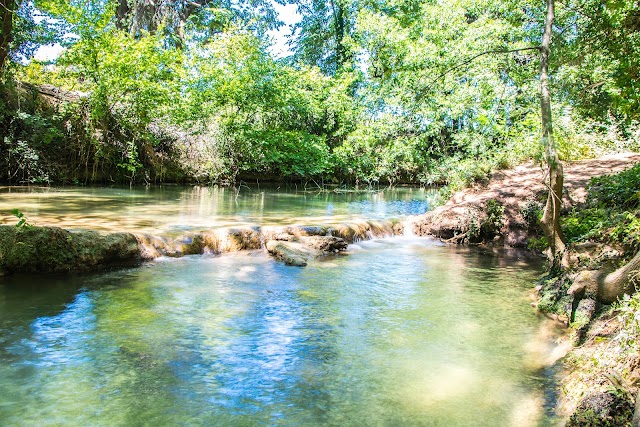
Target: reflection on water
[(398, 332), (174, 208)]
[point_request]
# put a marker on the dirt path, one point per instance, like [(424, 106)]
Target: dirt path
[(513, 188)]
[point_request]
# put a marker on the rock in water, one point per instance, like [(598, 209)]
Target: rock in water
[(300, 250), (291, 253), (54, 250)]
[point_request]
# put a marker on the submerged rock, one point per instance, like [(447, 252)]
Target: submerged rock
[(325, 244), (291, 253)]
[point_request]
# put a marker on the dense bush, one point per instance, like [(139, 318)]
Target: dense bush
[(620, 191), (370, 95)]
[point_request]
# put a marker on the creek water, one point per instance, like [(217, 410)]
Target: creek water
[(173, 209), (399, 331)]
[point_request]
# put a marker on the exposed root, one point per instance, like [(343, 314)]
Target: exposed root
[(457, 239)]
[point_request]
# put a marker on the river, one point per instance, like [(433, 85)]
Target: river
[(398, 331), (175, 209)]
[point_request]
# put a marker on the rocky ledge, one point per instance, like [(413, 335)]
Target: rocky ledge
[(55, 250), (42, 250)]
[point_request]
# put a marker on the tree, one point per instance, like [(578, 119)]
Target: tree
[(602, 59), (25, 27), (7, 8), (551, 216), (321, 37), (210, 16)]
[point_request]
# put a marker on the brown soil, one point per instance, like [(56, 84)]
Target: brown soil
[(513, 188)]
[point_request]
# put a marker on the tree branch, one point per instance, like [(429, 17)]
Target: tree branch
[(473, 58)]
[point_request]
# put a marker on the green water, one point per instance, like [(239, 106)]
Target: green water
[(399, 332), (171, 209)]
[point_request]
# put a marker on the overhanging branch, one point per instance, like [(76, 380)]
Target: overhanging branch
[(473, 58)]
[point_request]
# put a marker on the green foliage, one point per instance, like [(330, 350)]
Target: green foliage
[(602, 59), (484, 226), (553, 295), (493, 223), (612, 214), (264, 117), (22, 219), (287, 153), (620, 191), (375, 92), (604, 225), (474, 228), (629, 317), (32, 27), (532, 211), (583, 224), (324, 35), (381, 151), (539, 244)]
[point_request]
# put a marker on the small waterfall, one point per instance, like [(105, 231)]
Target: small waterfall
[(235, 239), (408, 226)]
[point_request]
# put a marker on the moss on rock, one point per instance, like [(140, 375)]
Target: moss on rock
[(55, 250), (603, 409)]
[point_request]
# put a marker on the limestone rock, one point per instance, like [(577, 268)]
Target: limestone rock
[(305, 248), (54, 250), (240, 238), (291, 253), (325, 244)]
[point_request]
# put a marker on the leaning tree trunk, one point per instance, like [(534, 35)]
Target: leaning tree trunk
[(7, 8), (621, 282), (607, 288), (551, 216)]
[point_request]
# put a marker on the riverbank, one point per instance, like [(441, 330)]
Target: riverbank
[(518, 191), (600, 372)]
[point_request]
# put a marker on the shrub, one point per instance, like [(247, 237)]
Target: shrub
[(493, 223), (531, 213), (612, 214)]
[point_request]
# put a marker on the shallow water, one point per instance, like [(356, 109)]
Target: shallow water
[(171, 209), (399, 332)]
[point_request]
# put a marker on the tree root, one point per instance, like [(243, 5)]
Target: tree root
[(456, 239)]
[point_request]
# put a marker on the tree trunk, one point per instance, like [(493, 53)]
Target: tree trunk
[(551, 216), (7, 8), (620, 282), (636, 415), (123, 15), (340, 29), (606, 288)]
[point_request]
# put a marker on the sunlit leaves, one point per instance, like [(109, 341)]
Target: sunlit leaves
[(267, 117), (136, 78)]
